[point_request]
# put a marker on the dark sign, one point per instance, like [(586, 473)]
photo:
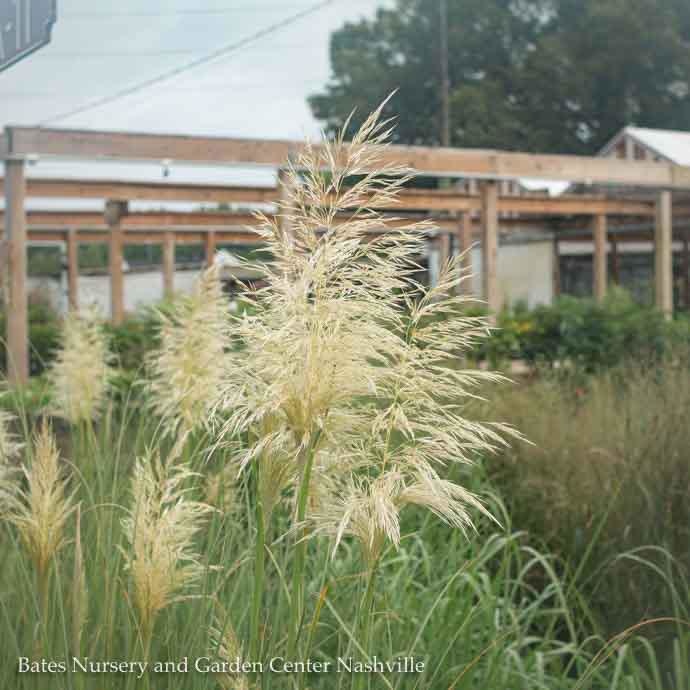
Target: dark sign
[(25, 26)]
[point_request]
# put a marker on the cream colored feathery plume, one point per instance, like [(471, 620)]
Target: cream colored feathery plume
[(355, 363), (40, 509), (81, 372), (160, 530), (187, 366)]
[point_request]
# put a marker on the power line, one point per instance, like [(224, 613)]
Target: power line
[(174, 13), (157, 53), (220, 52)]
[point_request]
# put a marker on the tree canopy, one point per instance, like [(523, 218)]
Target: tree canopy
[(533, 75)]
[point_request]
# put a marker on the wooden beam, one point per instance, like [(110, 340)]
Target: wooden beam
[(168, 264), (409, 199), (72, 240), (489, 194), (17, 301), (443, 162), (148, 191), (114, 212), (663, 254), (599, 266), (209, 247), (573, 206)]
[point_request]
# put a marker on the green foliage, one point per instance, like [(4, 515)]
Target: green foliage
[(134, 338), (44, 333), (492, 611), (608, 472), (584, 334), (542, 75)]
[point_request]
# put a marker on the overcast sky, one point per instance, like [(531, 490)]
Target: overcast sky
[(102, 46)]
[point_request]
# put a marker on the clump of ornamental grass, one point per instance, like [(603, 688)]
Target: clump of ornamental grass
[(81, 372), (221, 489), (347, 368), (160, 529), (39, 509), (9, 443), (79, 599), (226, 648), (186, 367)]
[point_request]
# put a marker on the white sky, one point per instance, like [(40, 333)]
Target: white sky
[(259, 91), (100, 47)]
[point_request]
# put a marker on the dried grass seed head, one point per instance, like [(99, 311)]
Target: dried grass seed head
[(81, 372), (187, 367), (161, 529)]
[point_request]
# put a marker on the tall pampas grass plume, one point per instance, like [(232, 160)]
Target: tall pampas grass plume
[(40, 508), (347, 368), (82, 370), (186, 368), (160, 530)]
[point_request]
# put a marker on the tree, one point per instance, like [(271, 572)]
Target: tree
[(539, 75)]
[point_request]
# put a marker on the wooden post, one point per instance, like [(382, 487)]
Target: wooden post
[(686, 273), (210, 247), (489, 197), (599, 268), (615, 263), (17, 301), (464, 236), (168, 264), (114, 210), (284, 201), (72, 269), (663, 254), (556, 269), (444, 249)]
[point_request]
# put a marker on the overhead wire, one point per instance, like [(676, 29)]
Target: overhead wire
[(221, 52)]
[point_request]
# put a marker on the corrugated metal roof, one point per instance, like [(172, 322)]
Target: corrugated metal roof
[(674, 145)]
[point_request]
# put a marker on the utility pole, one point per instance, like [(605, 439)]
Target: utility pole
[(445, 80)]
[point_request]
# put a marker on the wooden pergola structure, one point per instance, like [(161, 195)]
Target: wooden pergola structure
[(454, 214)]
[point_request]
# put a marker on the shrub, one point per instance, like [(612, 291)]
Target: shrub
[(609, 473), (584, 334)]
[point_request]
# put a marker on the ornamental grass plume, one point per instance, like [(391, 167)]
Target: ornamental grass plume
[(226, 648), (160, 529), (186, 367), (354, 362), (9, 443), (40, 510), (81, 372)]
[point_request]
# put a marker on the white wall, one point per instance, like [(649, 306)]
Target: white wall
[(140, 289), (524, 272)]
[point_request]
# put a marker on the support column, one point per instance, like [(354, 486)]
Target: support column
[(464, 236), (489, 196), (168, 264), (114, 211), (686, 273), (72, 269), (210, 247), (556, 269), (599, 268), (663, 254), (615, 263), (444, 248), (284, 201), (17, 301)]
